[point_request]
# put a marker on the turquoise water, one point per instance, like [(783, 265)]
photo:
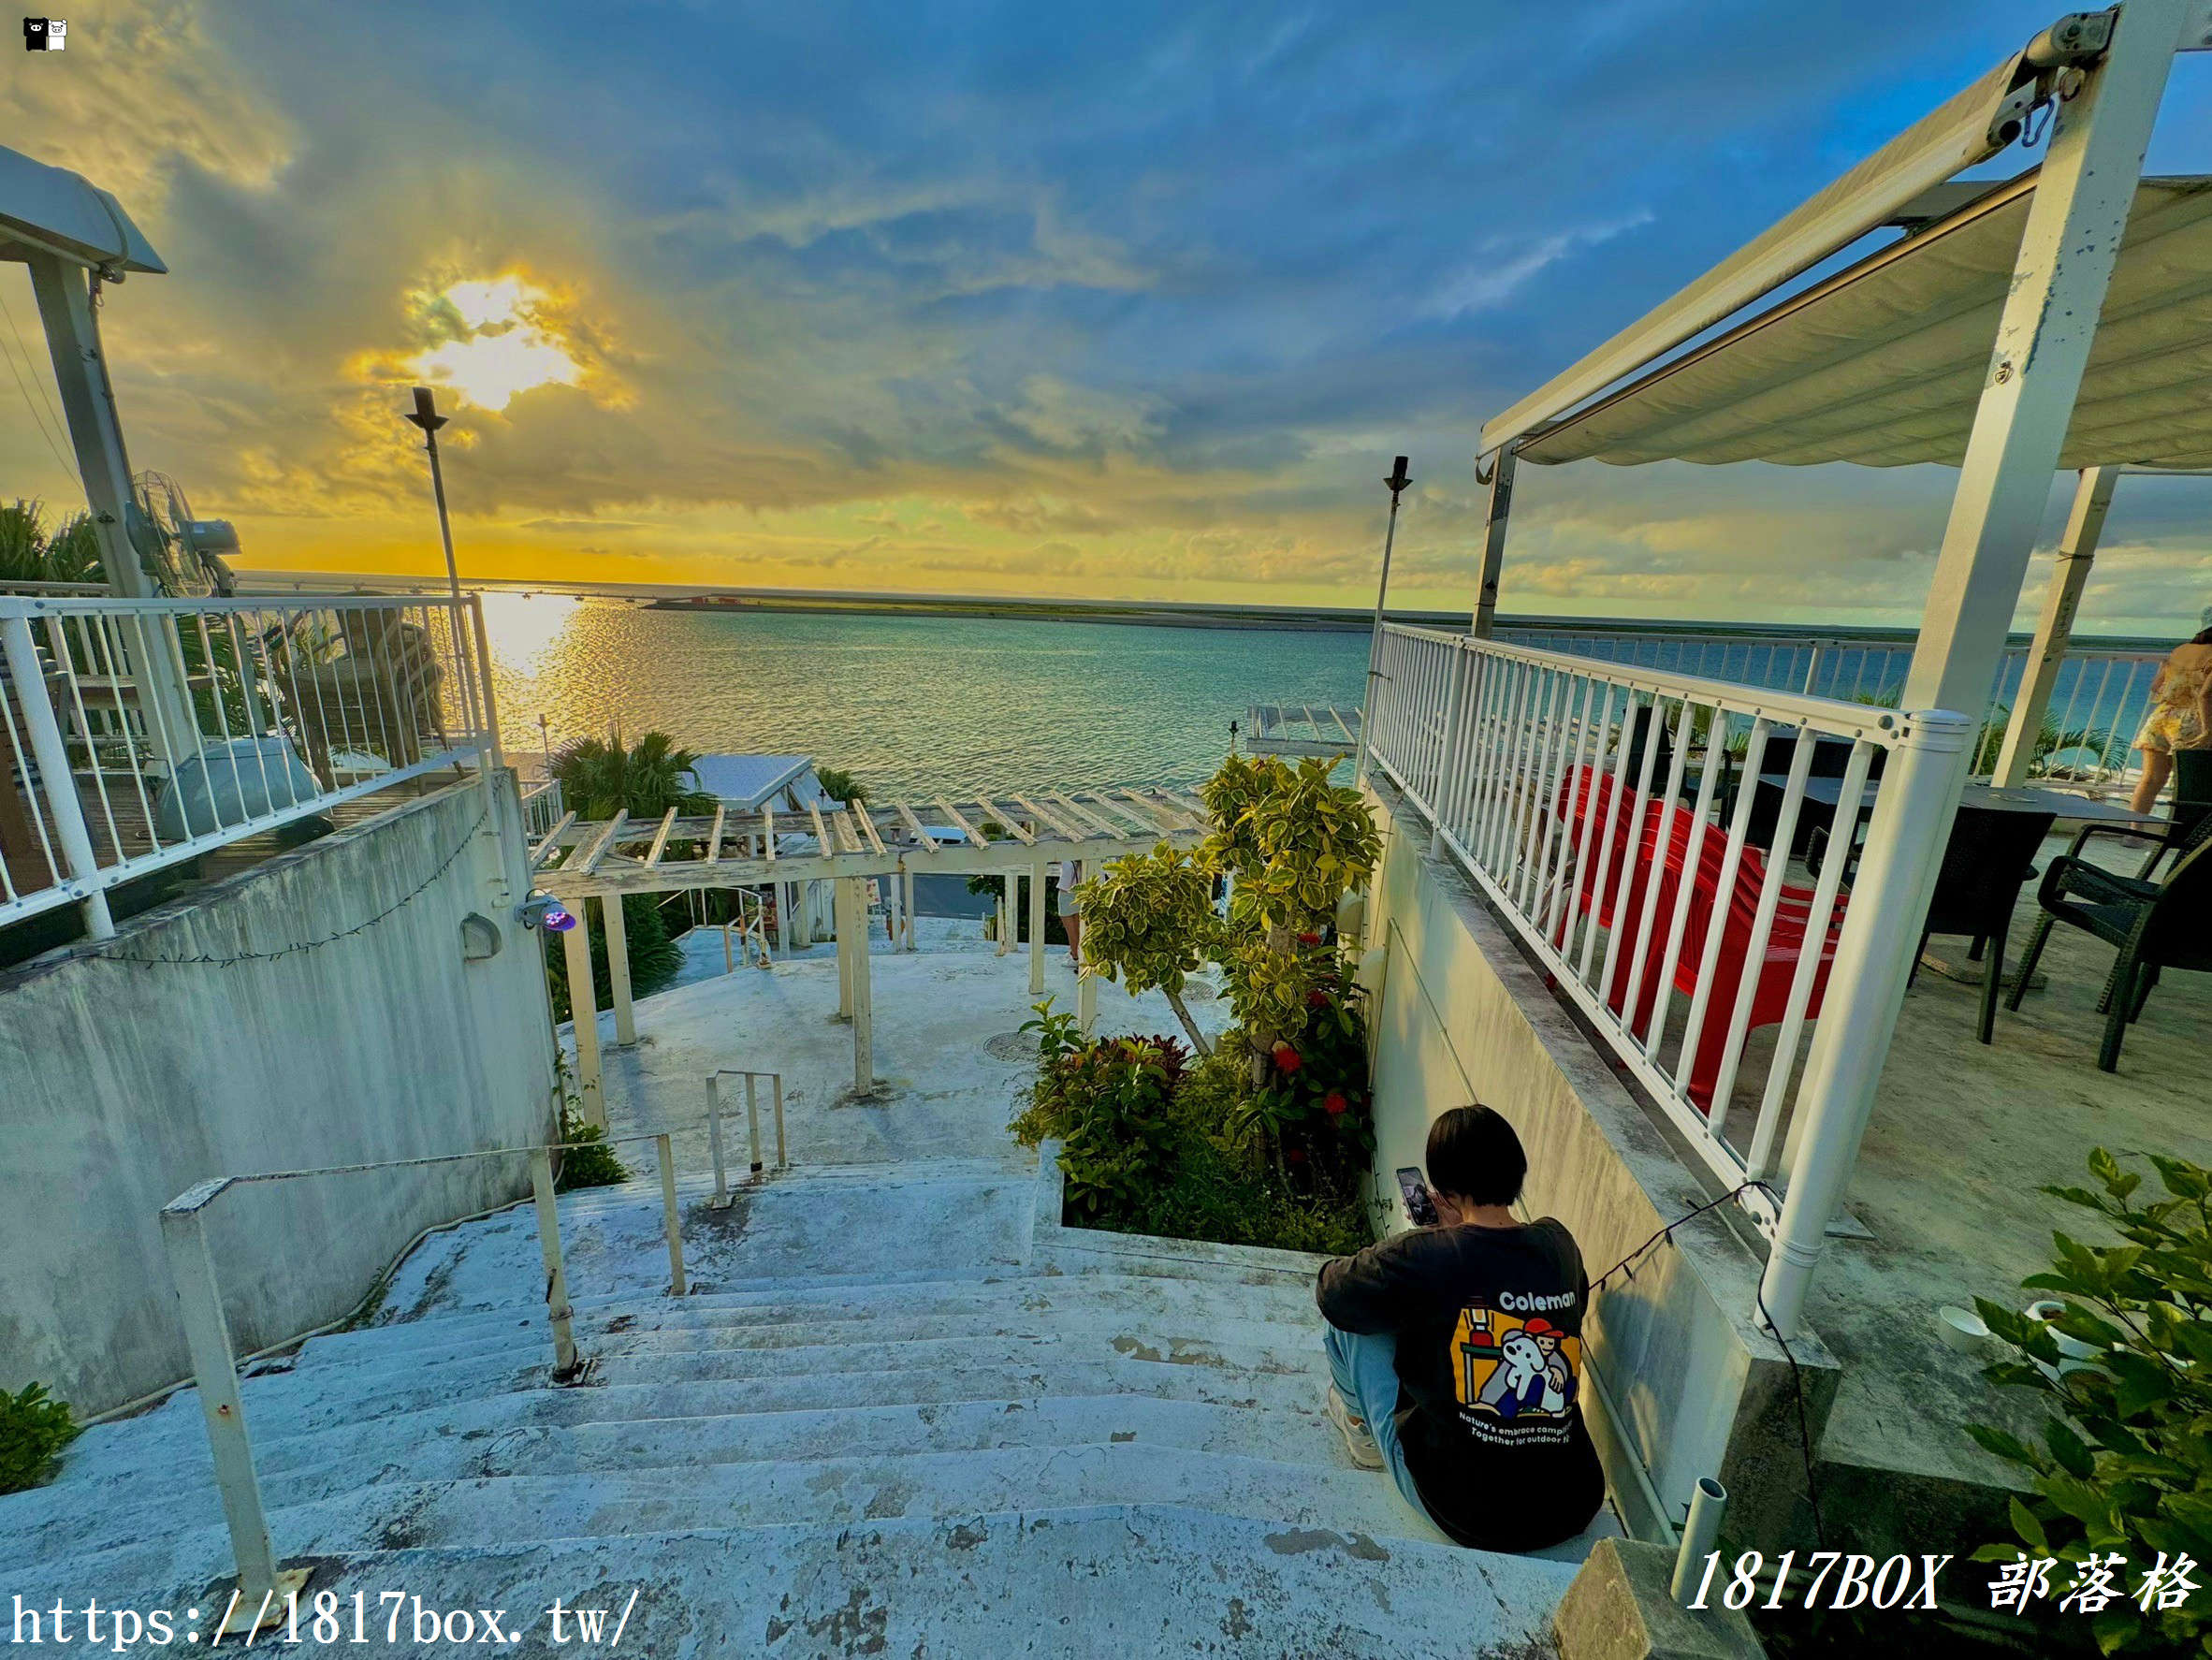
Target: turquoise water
[(917, 705)]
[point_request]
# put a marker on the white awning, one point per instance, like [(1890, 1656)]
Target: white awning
[(47, 210), (1884, 363)]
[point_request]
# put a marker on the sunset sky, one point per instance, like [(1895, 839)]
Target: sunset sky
[(1128, 300)]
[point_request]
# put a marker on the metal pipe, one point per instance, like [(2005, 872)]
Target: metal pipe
[(775, 1096), (752, 1117), (671, 1216), (557, 1309), (714, 1141), (1920, 790), (207, 1339), (1398, 480), (1701, 1533)]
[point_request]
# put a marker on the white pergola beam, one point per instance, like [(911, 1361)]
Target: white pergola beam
[(2054, 629), (1497, 508)]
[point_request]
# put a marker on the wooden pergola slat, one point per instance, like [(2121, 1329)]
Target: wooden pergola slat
[(1104, 826), (1046, 816), (714, 840), (867, 825), (821, 835), (959, 822), (661, 836), (597, 849), (920, 831), (768, 833), (551, 844), (1013, 826)]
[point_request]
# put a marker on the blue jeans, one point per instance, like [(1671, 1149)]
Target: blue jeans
[(1365, 1372)]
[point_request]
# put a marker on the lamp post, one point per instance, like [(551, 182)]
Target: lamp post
[(426, 415), (1397, 481)]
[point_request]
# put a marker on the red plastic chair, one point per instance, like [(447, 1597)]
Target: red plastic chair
[(1656, 849)]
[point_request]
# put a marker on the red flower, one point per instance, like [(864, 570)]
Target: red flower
[(1288, 1058), (1316, 999), (1309, 940), (1295, 1154), (1333, 1103)]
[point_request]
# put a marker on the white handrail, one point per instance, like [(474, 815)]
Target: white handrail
[(135, 734), (1668, 903)]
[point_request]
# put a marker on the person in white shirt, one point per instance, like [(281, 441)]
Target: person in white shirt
[(1070, 914)]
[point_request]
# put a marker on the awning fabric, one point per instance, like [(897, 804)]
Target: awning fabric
[(1884, 363)]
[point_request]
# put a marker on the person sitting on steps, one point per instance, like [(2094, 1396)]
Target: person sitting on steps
[(1455, 1352)]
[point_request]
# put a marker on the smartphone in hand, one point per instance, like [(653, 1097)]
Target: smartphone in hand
[(1418, 1205)]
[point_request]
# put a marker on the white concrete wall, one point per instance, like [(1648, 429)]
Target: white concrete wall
[(127, 1083), (1698, 1390)]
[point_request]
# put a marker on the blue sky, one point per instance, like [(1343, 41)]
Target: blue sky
[(1131, 300)]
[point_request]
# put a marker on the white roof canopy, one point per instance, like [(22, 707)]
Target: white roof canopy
[(1884, 363), (47, 210)]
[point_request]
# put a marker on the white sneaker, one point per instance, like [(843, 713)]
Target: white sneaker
[(1359, 1441)]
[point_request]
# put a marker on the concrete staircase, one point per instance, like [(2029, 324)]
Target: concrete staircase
[(885, 1423)]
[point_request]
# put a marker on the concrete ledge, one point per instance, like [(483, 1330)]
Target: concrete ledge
[(1618, 1608), (1053, 1245)]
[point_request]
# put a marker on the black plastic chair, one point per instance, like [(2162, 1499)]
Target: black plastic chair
[(1633, 730), (1830, 759), (2192, 803), (2153, 925), (1989, 859)]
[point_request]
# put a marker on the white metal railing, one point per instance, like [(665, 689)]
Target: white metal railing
[(215, 1361), (2098, 700), (1619, 820), (136, 733), (541, 808)]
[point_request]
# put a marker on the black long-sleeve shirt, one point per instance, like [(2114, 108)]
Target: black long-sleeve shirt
[(1489, 1323)]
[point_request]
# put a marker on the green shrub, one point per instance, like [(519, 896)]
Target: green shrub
[(590, 1165), (841, 785), (1152, 1144), (32, 1431), (2126, 1465)]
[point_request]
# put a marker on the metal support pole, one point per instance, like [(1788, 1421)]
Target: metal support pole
[(2054, 629), (583, 1005), (2075, 222), (776, 1098), (752, 1119), (1398, 480), (557, 1309), (57, 784), (714, 1144), (63, 292), (618, 968), (1701, 1533), (1499, 506), (671, 1217), (1006, 913), (1881, 934), (1037, 929), (214, 1370)]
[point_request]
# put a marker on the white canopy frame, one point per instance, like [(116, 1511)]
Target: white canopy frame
[(2101, 76)]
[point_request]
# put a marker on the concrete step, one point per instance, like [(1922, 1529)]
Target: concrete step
[(1101, 1583), (826, 1303), (186, 1537), (339, 1432), (282, 1406), (495, 1444)]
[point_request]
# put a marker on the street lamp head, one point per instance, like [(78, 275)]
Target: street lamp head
[(1399, 477), (426, 413)]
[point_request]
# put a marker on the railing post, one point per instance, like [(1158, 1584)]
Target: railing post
[(556, 1308), (752, 1119), (714, 1141), (775, 1093), (59, 784), (672, 1218), (1866, 988), (214, 1369)]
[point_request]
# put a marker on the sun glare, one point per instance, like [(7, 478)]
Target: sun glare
[(508, 347)]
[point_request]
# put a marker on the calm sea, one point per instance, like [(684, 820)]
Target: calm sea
[(909, 704)]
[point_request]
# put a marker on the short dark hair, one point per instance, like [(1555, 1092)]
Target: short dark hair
[(1474, 1154)]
